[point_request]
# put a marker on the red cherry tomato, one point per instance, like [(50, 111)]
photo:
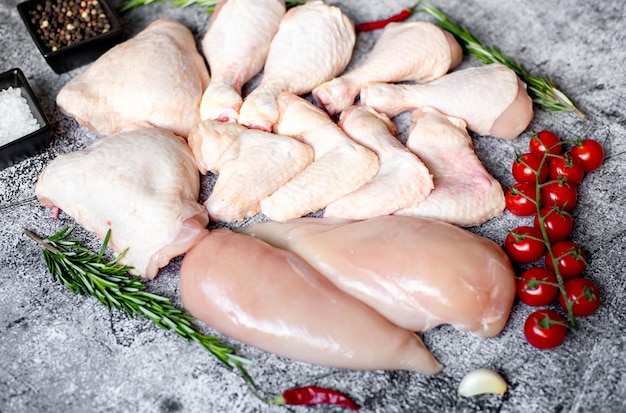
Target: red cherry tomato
[(525, 245), (568, 168), (545, 329), (545, 139), (558, 223), (584, 295), (526, 167), (537, 287), (520, 199), (589, 153), (556, 194), (571, 259)]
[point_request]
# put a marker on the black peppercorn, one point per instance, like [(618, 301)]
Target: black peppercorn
[(61, 23)]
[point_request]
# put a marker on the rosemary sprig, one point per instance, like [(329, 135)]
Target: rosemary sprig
[(207, 5), (542, 90), (87, 273)]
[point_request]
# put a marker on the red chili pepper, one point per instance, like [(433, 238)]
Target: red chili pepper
[(379, 24), (310, 395)]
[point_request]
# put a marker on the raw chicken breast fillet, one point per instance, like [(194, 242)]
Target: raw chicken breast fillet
[(153, 79), (235, 46), (313, 44), (252, 164), (273, 300), (340, 166), (410, 51), (143, 185), (402, 180), (419, 273), (491, 99), (465, 193)]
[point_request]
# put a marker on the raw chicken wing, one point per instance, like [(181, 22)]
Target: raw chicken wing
[(235, 46), (416, 51), (403, 180), (251, 163), (153, 79), (313, 44), (465, 193), (143, 185), (491, 99), (419, 273), (340, 166), (271, 299)]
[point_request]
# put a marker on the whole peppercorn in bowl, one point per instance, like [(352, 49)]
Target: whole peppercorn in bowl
[(71, 33)]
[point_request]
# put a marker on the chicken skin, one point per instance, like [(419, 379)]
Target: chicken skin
[(491, 99), (313, 44), (402, 180), (235, 46), (252, 164), (142, 185), (465, 193), (153, 79), (340, 166), (410, 51)]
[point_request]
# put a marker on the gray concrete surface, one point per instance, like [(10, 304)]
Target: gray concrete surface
[(61, 352)]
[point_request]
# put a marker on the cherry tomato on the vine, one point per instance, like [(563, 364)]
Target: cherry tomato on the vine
[(568, 168), (545, 329), (589, 153), (584, 295), (558, 223), (521, 199), (557, 194), (525, 244), (526, 167), (537, 287), (571, 259), (545, 139)]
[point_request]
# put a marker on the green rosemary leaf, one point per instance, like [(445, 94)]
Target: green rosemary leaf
[(84, 272), (542, 90)]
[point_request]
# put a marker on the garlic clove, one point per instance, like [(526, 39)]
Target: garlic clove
[(482, 381)]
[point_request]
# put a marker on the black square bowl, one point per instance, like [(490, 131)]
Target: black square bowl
[(78, 53), (33, 143)]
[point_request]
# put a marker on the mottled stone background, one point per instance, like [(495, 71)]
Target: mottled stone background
[(65, 353)]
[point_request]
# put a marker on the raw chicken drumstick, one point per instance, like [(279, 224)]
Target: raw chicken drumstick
[(403, 180), (417, 272), (273, 300), (143, 185), (153, 79), (340, 166), (251, 163), (491, 99), (235, 46), (465, 193), (313, 44), (409, 51)]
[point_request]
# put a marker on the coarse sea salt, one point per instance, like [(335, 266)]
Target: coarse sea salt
[(16, 119)]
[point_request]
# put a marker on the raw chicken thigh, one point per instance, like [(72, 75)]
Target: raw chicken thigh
[(419, 273), (340, 166), (403, 180), (491, 99), (252, 164), (416, 51), (153, 79), (273, 300), (143, 185), (235, 46), (313, 44), (465, 193)]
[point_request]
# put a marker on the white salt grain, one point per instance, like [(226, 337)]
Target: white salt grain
[(16, 119)]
